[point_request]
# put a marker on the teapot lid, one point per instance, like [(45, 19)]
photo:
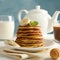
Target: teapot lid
[(39, 10)]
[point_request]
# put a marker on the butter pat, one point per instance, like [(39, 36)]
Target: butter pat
[(25, 21)]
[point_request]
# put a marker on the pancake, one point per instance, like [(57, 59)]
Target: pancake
[(27, 27), (29, 41), (32, 45), (29, 36)]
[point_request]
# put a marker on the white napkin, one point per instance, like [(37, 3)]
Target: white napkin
[(15, 54), (21, 55)]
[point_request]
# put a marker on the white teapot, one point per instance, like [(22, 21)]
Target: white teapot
[(42, 16)]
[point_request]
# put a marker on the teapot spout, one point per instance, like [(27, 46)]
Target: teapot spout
[(52, 21)]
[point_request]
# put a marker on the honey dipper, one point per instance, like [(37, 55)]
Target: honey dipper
[(55, 53)]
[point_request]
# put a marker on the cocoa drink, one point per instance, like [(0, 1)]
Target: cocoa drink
[(57, 32)]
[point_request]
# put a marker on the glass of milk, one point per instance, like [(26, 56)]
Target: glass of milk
[(6, 27)]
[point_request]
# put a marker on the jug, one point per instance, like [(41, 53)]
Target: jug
[(45, 20)]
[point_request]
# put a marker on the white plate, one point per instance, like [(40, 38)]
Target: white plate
[(48, 44)]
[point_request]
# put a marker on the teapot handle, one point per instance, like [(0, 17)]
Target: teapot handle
[(19, 14)]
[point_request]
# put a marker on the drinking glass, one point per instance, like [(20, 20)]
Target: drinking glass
[(56, 29), (6, 26)]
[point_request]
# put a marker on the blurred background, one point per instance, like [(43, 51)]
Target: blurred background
[(12, 7)]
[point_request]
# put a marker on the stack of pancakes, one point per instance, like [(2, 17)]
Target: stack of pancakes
[(28, 36)]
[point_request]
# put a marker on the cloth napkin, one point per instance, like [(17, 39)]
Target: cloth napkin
[(19, 54)]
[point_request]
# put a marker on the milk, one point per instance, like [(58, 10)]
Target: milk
[(6, 29)]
